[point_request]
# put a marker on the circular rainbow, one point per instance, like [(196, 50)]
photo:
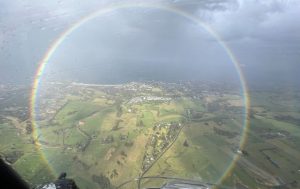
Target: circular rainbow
[(60, 39)]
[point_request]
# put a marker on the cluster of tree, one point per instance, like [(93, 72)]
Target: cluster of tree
[(287, 118), (117, 125), (28, 127), (109, 139), (213, 106), (129, 143), (222, 132), (140, 123), (196, 114), (102, 181), (114, 174), (119, 111), (123, 153), (186, 144)]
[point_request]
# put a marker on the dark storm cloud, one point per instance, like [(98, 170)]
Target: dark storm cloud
[(202, 5), (265, 36), (265, 20)]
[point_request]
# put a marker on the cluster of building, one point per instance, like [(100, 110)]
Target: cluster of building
[(142, 99), (163, 135)]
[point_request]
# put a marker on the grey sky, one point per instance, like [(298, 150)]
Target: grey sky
[(149, 43)]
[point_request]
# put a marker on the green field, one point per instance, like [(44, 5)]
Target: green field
[(100, 133)]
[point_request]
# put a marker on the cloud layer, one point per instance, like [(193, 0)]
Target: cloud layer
[(147, 43)]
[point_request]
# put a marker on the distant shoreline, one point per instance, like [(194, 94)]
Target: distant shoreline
[(97, 85)]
